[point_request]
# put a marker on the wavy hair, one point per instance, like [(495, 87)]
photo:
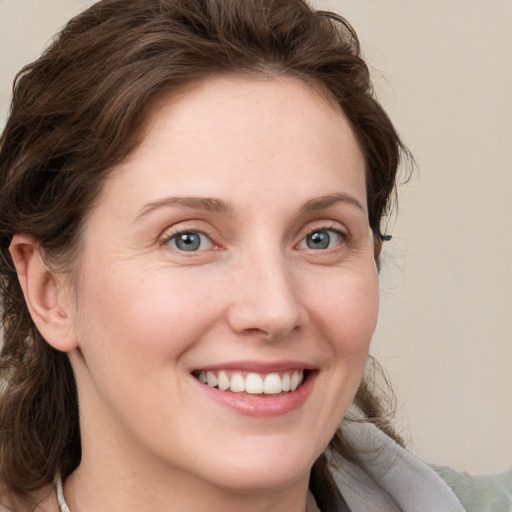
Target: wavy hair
[(77, 111)]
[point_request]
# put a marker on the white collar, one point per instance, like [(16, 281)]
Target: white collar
[(63, 506)]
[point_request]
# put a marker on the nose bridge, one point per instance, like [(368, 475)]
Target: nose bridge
[(267, 301)]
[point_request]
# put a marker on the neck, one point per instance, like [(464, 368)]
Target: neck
[(101, 491)]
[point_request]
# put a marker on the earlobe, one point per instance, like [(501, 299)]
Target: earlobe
[(47, 300)]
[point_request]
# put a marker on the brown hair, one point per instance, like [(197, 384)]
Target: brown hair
[(78, 110)]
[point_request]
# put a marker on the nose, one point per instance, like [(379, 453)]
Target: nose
[(266, 301)]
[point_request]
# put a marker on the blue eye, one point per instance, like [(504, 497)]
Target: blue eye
[(190, 241), (321, 239)]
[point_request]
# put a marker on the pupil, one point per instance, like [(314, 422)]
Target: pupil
[(318, 240), (188, 242)]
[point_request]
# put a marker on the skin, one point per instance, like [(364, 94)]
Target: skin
[(146, 314)]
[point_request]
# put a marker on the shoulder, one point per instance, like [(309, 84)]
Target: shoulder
[(479, 493), (388, 477)]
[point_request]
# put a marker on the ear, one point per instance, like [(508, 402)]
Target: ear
[(47, 297)]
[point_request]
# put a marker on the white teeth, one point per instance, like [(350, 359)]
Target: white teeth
[(253, 383), (285, 382), (294, 384), (211, 379), (272, 384), (237, 383), (224, 382)]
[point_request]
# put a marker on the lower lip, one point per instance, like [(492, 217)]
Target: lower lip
[(262, 406)]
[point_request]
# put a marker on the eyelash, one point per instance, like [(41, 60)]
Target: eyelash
[(319, 229), (170, 236)]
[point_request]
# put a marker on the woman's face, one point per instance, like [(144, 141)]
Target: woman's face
[(232, 246)]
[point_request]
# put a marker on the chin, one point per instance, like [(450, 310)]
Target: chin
[(265, 466), (263, 478)]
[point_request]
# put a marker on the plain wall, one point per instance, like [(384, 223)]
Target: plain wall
[(443, 71)]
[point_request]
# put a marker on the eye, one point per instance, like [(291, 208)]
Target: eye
[(190, 241), (322, 239)]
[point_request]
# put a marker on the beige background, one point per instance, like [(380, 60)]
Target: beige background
[(443, 70)]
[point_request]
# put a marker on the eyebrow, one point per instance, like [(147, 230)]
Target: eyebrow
[(320, 203), (210, 204), (207, 204)]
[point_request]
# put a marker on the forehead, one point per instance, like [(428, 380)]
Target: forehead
[(246, 104), (248, 133)]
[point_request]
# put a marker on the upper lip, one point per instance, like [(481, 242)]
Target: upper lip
[(257, 366)]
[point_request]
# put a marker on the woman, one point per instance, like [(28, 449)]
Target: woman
[(191, 204)]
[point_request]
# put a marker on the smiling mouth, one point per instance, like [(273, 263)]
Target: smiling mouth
[(251, 382)]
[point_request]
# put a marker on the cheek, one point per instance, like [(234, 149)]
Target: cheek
[(347, 312), (144, 317)]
